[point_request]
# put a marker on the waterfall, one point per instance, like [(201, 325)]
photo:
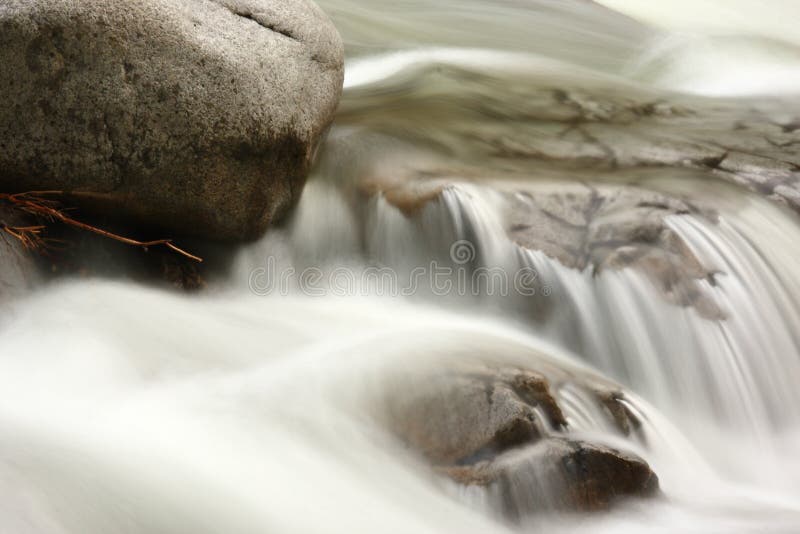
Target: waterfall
[(260, 405)]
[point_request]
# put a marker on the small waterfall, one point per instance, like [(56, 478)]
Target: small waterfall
[(263, 405), (739, 370), (725, 379), (162, 425)]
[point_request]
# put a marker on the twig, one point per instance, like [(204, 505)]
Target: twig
[(31, 202), (29, 236)]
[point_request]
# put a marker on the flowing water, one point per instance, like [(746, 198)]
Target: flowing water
[(257, 407)]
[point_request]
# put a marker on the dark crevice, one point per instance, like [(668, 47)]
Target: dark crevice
[(259, 20), (653, 205), (517, 433), (753, 153), (713, 162), (790, 127)]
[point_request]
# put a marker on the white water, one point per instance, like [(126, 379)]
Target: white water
[(126, 409)]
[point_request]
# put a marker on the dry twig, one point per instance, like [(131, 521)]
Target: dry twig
[(33, 203)]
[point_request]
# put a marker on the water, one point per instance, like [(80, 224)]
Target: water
[(258, 407)]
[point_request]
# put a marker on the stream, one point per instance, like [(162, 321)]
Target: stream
[(257, 405)]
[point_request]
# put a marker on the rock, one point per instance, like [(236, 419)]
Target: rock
[(559, 474), (506, 429), (615, 227), (613, 401), (18, 270), (599, 227), (197, 117), (82, 254), (586, 128), (531, 147), (475, 413)]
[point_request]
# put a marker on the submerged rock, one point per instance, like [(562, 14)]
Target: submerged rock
[(611, 227), (605, 226), (507, 430), (476, 413), (196, 117), (559, 474), (536, 138)]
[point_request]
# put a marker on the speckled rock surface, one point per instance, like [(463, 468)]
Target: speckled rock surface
[(194, 116)]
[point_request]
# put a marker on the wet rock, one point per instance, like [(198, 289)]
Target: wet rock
[(760, 173), (637, 132), (458, 418), (533, 128), (71, 253), (615, 227), (559, 474), (613, 400), (600, 227), (195, 117), (538, 145), (507, 429)]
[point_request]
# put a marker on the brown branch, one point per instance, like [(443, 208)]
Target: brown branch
[(32, 203), (27, 235)]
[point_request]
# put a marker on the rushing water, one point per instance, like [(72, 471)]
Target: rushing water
[(254, 408)]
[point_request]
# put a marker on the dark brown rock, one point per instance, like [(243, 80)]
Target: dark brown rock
[(559, 474), (503, 428), (613, 400)]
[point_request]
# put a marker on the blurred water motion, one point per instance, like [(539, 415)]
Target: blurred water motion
[(595, 145)]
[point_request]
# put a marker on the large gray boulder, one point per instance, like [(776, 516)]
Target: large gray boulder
[(193, 116)]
